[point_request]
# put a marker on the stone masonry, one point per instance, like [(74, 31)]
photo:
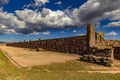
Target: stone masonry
[(90, 39)]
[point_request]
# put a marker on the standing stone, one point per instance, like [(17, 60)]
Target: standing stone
[(90, 36)]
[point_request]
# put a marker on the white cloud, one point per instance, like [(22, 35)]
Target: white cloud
[(40, 2), (114, 15), (29, 21), (58, 3), (46, 33), (37, 3), (5, 30), (44, 20), (113, 24), (96, 10), (112, 33), (90, 12), (10, 20), (10, 23), (34, 33)]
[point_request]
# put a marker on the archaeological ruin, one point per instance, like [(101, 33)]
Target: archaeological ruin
[(91, 47)]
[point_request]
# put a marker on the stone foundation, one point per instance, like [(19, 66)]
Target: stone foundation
[(100, 56)]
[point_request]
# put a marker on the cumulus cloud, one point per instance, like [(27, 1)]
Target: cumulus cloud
[(40, 2), (112, 33), (5, 30), (44, 20), (32, 21), (114, 15), (113, 24), (96, 10), (4, 1), (10, 23), (34, 33), (46, 33)]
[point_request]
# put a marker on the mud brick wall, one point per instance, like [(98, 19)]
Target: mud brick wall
[(117, 52), (73, 45)]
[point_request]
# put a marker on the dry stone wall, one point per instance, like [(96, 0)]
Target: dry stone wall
[(116, 45), (117, 52), (73, 45), (103, 56), (112, 43)]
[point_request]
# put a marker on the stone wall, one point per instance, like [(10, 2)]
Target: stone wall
[(73, 45), (116, 45), (112, 43), (117, 52), (99, 38), (100, 56)]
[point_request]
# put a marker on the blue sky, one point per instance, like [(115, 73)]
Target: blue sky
[(32, 19)]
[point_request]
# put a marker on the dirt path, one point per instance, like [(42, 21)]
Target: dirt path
[(103, 69), (105, 72), (26, 58)]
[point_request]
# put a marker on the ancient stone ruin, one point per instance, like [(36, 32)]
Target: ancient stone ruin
[(92, 47)]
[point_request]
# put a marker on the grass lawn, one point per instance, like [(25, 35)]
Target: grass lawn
[(57, 71)]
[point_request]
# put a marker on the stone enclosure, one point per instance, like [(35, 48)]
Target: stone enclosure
[(92, 47)]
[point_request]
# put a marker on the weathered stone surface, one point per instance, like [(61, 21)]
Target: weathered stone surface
[(100, 56), (99, 39), (90, 35), (73, 45), (117, 52)]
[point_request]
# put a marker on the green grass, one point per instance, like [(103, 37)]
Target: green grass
[(56, 71)]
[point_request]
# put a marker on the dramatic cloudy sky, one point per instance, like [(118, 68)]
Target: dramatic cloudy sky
[(32, 19)]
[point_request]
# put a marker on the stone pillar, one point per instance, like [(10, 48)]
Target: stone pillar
[(90, 36), (109, 54), (112, 57)]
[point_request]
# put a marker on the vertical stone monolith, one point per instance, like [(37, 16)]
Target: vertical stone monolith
[(90, 36)]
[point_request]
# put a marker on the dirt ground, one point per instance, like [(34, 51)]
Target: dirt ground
[(26, 58), (21, 57)]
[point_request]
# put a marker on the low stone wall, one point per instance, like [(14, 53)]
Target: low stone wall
[(112, 43), (117, 52), (100, 56)]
